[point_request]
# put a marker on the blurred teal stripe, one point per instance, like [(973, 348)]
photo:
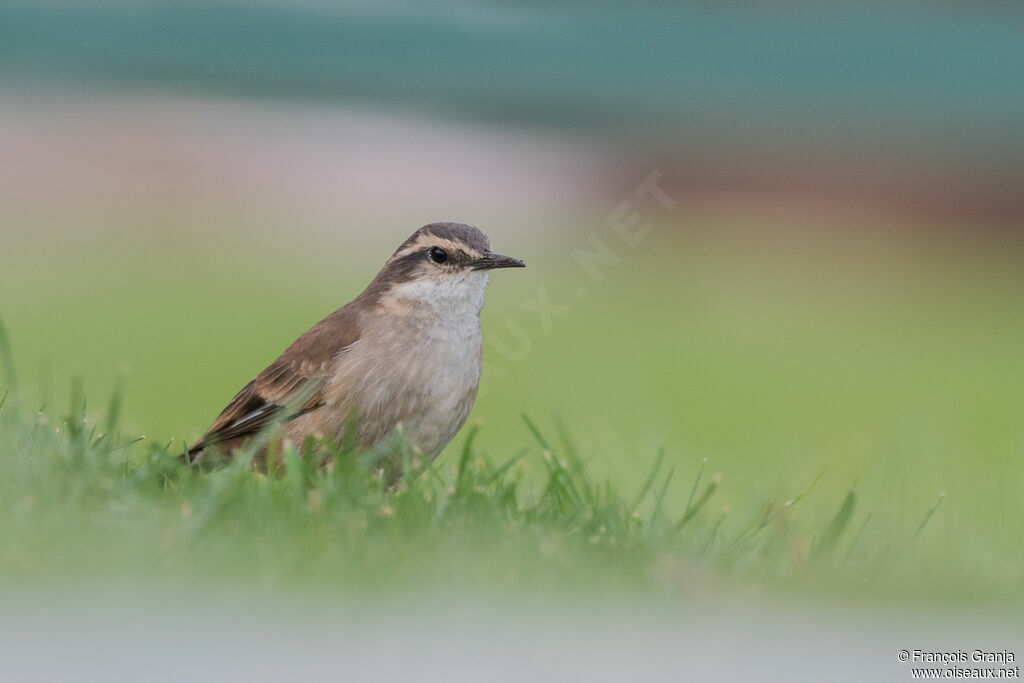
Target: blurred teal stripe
[(922, 69)]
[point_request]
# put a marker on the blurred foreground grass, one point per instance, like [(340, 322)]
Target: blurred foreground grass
[(890, 362), (80, 501)]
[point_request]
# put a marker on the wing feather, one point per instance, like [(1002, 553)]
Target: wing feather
[(291, 386)]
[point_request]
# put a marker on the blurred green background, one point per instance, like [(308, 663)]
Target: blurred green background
[(186, 187)]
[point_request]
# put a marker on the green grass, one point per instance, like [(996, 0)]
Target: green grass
[(883, 369), (82, 501)]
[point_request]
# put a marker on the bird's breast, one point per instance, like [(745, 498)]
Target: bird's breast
[(447, 383), (420, 372)]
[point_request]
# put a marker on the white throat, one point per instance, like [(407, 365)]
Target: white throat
[(449, 298)]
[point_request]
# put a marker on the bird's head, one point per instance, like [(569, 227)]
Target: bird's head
[(441, 265)]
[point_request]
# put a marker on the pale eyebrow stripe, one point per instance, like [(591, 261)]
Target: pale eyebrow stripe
[(429, 239), (412, 248)]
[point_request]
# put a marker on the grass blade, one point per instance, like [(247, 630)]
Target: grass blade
[(7, 359), (467, 450), (536, 432), (506, 466), (658, 460), (705, 495), (824, 547), (560, 479), (696, 482), (928, 516)]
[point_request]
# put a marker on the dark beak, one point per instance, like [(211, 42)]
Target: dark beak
[(491, 261)]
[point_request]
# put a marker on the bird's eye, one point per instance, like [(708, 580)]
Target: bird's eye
[(438, 255)]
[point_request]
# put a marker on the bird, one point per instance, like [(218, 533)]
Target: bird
[(401, 361)]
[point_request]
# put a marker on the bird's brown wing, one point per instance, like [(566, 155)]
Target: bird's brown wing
[(291, 386)]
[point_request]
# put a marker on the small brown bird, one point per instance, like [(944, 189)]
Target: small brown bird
[(402, 360)]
